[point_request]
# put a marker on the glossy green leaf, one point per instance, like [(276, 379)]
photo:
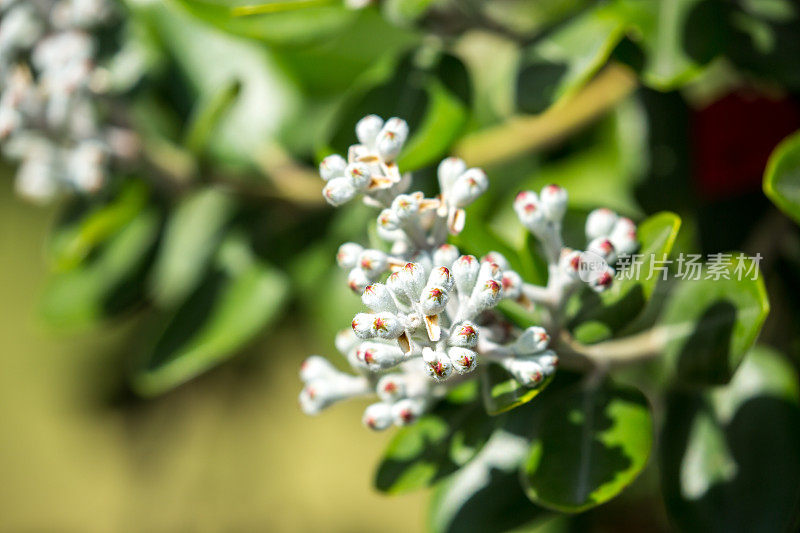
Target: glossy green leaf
[(434, 447), (502, 393), (712, 323), (77, 297), (729, 456), (192, 234), (782, 176), (591, 443), (221, 317)]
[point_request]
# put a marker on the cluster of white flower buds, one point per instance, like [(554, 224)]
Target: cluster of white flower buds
[(430, 316), (48, 120)]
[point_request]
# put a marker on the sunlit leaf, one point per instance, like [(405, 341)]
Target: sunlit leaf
[(782, 177)]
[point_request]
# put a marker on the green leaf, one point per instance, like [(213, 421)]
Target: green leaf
[(502, 393), (207, 113), (712, 323), (77, 297), (729, 456), (435, 446), (782, 176), (560, 64), (221, 317), (591, 443), (192, 234), (485, 495)]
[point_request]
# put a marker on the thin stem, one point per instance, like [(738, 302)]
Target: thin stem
[(614, 353)]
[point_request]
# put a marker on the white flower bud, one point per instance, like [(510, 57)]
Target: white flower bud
[(332, 167), (434, 300), (405, 206), (407, 411), (604, 248), (422, 258), (387, 220), (345, 341), (465, 272), (347, 255), (449, 170), (468, 187), (437, 364), (441, 277), (358, 280), (362, 326), (530, 213), (532, 340), (526, 371), (372, 262), (396, 284), (464, 335), (487, 295), (498, 259), (489, 271), (445, 255), (602, 280), (463, 360), (316, 367), (386, 325), (391, 138), (378, 356), (553, 201), (512, 285), (378, 416), (570, 263), (360, 175), (378, 298), (548, 361), (367, 129), (338, 191), (316, 396), (391, 387), (412, 276), (524, 198), (600, 222), (624, 236)]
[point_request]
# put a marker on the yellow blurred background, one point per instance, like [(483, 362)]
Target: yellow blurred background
[(230, 451)]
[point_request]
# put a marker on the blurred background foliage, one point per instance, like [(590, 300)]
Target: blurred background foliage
[(216, 244)]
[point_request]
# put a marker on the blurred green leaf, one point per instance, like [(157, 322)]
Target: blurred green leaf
[(77, 297), (591, 443), (713, 323), (729, 456), (405, 12), (207, 113), (221, 317), (192, 234), (435, 446), (782, 176), (502, 393)]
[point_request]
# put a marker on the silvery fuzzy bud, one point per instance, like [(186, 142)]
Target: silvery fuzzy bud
[(360, 175), (533, 340), (526, 371), (523, 198), (448, 171), (496, 258), (362, 326), (317, 395), (316, 367), (405, 206), (600, 222), (437, 364), (468, 187), (367, 129), (378, 356), (548, 361), (407, 411), (434, 300), (413, 279), (465, 272), (358, 280), (386, 325), (378, 416), (604, 248), (570, 263), (332, 167), (463, 360), (345, 341), (378, 298), (391, 387), (445, 255), (602, 280), (422, 258), (338, 191), (441, 277), (623, 235), (487, 295), (372, 262), (464, 335), (396, 284), (512, 285), (391, 138), (553, 201), (347, 255), (489, 271), (388, 220), (530, 213)]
